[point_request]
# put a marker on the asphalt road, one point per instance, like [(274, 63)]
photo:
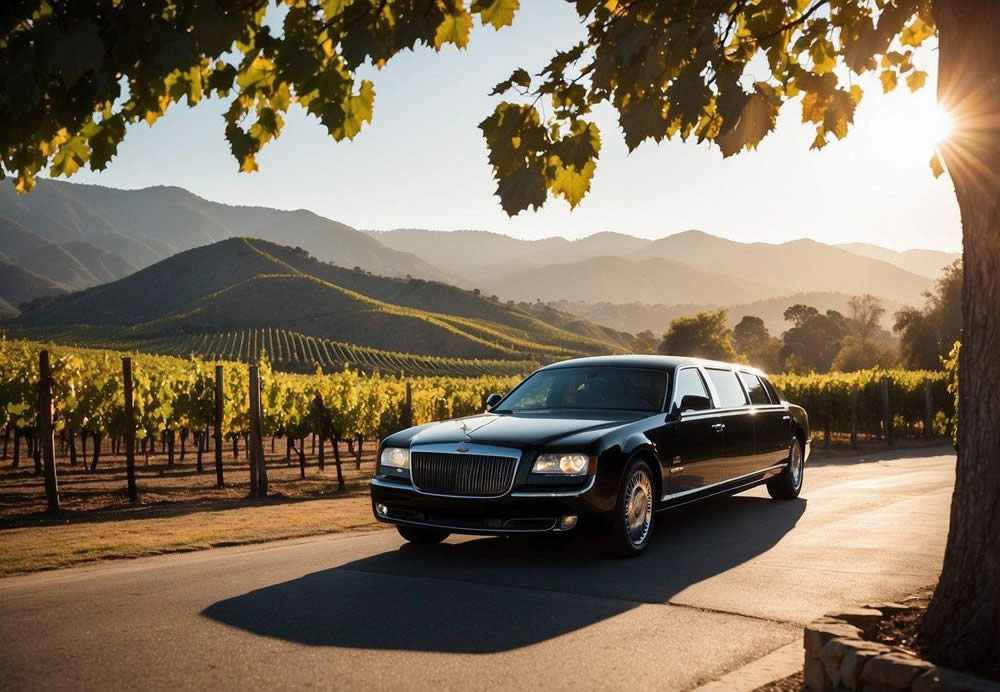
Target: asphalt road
[(721, 585)]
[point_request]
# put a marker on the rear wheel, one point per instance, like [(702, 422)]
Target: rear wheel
[(422, 536), (787, 484), (634, 514)]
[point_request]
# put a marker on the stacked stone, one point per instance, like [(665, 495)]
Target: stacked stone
[(839, 657)]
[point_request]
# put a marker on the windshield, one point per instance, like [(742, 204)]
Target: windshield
[(629, 389)]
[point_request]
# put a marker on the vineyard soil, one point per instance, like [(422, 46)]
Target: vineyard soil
[(180, 509)]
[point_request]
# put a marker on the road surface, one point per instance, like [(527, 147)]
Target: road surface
[(722, 585)]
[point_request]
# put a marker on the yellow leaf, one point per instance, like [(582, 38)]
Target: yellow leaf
[(856, 94), (916, 33), (499, 13), (454, 29), (331, 8), (936, 167), (888, 78), (572, 184), (249, 164), (915, 80)]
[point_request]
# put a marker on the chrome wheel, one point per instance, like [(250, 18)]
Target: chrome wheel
[(795, 463), (638, 507)]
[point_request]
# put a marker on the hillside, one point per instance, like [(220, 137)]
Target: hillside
[(18, 285), (16, 240), (619, 280), (242, 284), (167, 220), (927, 263), (77, 265)]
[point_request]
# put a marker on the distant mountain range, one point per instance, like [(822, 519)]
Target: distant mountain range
[(65, 237)]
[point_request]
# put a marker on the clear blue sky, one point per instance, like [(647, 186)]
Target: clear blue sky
[(422, 162)]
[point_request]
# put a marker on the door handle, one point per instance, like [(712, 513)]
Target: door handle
[(786, 418), (719, 427)]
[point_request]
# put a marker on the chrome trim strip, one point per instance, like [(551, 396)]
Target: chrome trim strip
[(386, 484), (464, 529), (667, 498), (472, 448), (557, 493)]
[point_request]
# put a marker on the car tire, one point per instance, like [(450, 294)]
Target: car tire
[(635, 512), (787, 484), (422, 536)]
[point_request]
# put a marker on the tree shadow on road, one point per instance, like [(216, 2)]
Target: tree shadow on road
[(496, 594)]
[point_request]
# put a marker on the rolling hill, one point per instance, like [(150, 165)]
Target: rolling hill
[(167, 220), (616, 279), (77, 264), (927, 263), (243, 284), (18, 285)]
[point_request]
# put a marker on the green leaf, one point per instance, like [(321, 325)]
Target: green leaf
[(68, 159), (522, 189), (757, 119), (643, 119)]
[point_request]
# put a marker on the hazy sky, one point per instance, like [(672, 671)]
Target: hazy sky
[(422, 163)]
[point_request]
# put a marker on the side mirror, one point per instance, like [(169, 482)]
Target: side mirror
[(492, 400), (693, 402)]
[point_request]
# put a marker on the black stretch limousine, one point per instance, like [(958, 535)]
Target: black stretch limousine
[(600, 443)]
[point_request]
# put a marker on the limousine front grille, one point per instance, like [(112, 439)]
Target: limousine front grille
[(442, 473)]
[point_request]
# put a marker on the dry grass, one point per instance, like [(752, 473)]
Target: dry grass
[(180, 509)]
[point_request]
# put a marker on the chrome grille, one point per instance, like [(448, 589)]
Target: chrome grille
[(443, 473)]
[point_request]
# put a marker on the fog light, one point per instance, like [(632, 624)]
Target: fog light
[(568, 522), (382, 510)]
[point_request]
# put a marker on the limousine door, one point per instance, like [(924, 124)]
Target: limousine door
[(693, 445)]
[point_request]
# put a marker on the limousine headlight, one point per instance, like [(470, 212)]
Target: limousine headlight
[(561, 464), (395, 457)]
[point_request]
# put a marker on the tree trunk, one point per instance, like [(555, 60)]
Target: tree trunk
[(236, 447), (184, 438), (17, 448), (36, 451), (83, 445), (962, 626), (71, 442), (321, 459), (169, 437), (358, 451), (200, 439), (97, 450), (6, 439)]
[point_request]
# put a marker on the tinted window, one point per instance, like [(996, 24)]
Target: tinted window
[(631, 389), (689, 381), (727, 387), (772, 390), (758, 396)]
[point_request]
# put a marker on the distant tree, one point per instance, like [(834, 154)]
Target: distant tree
[(865, 317), (752, 341), (855, 354), (927, 334), (706, 335), (645, 342), (814, 341)]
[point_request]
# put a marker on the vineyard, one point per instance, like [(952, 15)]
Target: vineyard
[(177, 398), (283, 349)]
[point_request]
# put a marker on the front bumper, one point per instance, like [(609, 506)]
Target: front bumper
[(513, 513)]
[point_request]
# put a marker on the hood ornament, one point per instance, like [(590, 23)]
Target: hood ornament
[(461, 448)]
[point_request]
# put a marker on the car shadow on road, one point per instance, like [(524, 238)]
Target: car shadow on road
[(497, 594)]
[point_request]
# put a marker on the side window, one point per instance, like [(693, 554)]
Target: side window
[(758, 395), (772, 390), (689, 381), (727, 387)]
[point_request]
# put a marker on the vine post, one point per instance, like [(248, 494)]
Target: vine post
[(928, 409), (45, 438), (255, 445), (219, 399), (886, 413), (133, 492), (854, 415)]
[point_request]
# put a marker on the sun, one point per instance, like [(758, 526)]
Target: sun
[(940, 124)]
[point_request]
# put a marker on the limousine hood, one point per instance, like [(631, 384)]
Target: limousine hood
[(524, 429)]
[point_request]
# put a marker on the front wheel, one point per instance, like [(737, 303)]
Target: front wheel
[(634, 514), (787, 484), (422, 536)]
